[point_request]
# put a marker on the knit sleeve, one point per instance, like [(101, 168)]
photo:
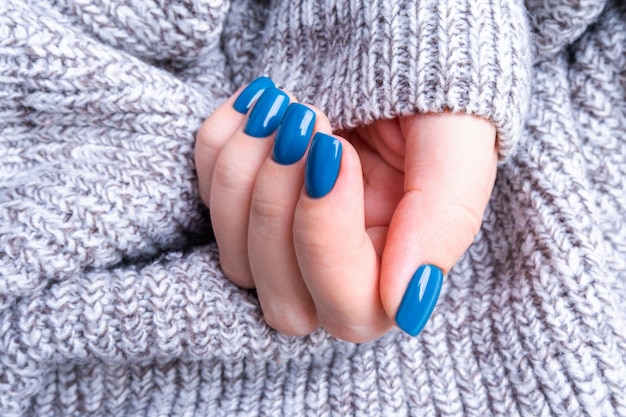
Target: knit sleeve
[(557, 24), (361, 61), (99, 104)]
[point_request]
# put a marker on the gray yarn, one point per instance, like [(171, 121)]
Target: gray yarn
[(112, 302)]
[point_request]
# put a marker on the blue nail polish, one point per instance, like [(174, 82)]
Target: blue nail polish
[(251, 93), (293, 134), (322, 165), (267, 113), (419, 299)]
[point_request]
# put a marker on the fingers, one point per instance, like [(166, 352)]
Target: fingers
[(300, 230), (336, 255), (312, 260), (307, 253), (286, 303), (232, 183), (450, 168)]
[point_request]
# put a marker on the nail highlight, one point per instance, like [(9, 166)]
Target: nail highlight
[(251, 93), (267, 113), (293, 134), (420, 299), (322, 165)]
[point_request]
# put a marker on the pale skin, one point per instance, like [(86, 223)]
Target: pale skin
[(410, 191)]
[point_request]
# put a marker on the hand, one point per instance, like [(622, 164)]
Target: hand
[(408, 192)]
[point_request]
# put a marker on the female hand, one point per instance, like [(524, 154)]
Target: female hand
[(356, 231)]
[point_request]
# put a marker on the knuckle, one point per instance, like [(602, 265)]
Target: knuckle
[(229, 175), (291, 323), (209, 142), (355, 333), (461, 224), (236, 273), (205, 193), (311, 240), (267, 209), (462, 215), (469, 220), (206, 140)]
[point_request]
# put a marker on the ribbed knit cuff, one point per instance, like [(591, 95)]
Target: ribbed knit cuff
[(364, 61)]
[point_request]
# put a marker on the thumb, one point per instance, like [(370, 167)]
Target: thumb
[(450, 168)]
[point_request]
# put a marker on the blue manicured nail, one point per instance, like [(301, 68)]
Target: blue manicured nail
[(251, 93), (419, 299), (267, 113), (293, 134), (322, 165)]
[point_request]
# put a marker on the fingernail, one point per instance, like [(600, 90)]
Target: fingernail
[(322, 165), (267, 113), (251, 93), (419, 299), (293, 134)]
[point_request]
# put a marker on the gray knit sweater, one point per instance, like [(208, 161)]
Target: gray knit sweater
[(112, 302)]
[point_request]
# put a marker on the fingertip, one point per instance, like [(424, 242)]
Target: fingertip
[(267, 113), (228, 116), (322, 165), (293, 134), (332, 167), (245, 97), (419, 299)]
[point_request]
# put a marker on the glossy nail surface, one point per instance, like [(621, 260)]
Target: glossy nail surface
[(267, 113), (293, 134), (419, 299), (251, 93), (322, 165)]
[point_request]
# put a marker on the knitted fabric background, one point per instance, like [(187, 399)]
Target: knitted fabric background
[(112, 302)]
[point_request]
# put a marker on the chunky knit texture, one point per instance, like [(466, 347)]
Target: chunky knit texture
[(112, 302)]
